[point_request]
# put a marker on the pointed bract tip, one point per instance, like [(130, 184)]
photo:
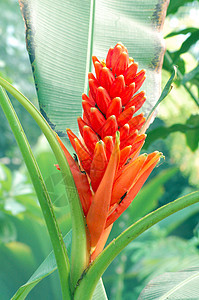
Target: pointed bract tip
[(100, 142), (117, 135), (145, 154)]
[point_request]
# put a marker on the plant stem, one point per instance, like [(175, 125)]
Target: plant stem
[(42, 194), (167, 57), (94, 272), (79, 259)]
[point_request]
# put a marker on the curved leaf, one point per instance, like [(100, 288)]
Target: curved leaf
[(192, 136), (183, 31), (175, 5), (175, 285), (48, 267), (186, 45), (142, 205), (162, 132), (62, 34)]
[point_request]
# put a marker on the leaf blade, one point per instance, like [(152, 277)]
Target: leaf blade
[(174, 284), (58, 29)]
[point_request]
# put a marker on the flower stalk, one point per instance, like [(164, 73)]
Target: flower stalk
[(79, 259), (110, 143), (42, 194)]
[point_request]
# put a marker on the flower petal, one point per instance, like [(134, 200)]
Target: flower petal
[(142, 177), (99, 208), (98, 166), (126, 179), (115, 108), (80, 179)]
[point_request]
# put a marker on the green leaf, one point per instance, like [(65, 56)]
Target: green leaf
[(174, 221), (45, 269), (62, 35), (183, 31), (5, 178), (164, 93), (190, 76), (175, 285), (191, 40), (175, 5), (143, 204), (7, 230), (179, 62), (48, 267), (99, 293), (192, 136), (162, 132)]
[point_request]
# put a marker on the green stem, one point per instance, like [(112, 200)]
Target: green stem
[(94, 272), (42, 194), (170, 61), (79, 259)]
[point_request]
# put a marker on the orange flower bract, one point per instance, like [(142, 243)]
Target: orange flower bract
[(110, 171)]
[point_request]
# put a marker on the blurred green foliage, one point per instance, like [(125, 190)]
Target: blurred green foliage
[(15, 66), (24, 243)]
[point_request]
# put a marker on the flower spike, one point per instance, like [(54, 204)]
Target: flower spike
[(110, 170)]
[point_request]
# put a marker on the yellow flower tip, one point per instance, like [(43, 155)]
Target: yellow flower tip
[(161, 155), (113, 117), (100, 88), (108, 137), (92, 250), (100, 142), (157, 152), (103, 63), (117, 135), (132, 60)]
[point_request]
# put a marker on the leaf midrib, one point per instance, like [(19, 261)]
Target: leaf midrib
[(183, 283), (90, 44)]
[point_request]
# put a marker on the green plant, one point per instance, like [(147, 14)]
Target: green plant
[(83, 276)]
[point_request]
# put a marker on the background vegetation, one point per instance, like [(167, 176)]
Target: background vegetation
[(170, 246)]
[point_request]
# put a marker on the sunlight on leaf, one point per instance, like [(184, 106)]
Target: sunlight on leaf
[(61, 35), (175, 285)]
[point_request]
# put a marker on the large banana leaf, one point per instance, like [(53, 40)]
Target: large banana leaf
[(62, 35), (173, 285)]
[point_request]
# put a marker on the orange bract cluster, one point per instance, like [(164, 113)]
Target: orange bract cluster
[(110, 171)]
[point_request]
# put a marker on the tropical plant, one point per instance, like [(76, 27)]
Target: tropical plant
[(109, 156)]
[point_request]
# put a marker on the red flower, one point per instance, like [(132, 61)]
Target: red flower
[(110, 172)]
